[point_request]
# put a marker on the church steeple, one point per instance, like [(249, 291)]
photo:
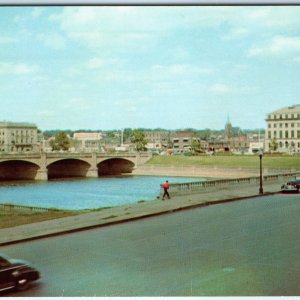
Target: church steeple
[(228, 129)]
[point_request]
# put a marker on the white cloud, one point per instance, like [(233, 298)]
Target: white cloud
[(7, 40), (220, 89), (53, 40), (297, 59), (278, 46), (105, 26), (77, 104), (95, 63), (275, 17), (18, 68), (236, 33)]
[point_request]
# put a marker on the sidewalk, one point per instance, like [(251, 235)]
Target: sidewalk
[(132, 212)]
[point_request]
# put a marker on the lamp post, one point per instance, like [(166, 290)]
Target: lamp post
[(261, 191)]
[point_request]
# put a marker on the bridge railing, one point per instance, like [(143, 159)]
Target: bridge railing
[(71, 154), (198, 186)]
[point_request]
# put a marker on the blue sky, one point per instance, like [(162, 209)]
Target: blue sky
[(173, 67)]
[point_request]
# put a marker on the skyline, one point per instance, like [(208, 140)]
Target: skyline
[(169, 67)]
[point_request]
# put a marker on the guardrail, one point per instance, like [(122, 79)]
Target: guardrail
[(10, 206), (197, 186)]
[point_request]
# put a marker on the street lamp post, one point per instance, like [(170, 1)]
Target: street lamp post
[(261, 191)]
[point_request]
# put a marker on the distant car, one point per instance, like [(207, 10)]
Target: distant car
[(16, 273), (291, 186)]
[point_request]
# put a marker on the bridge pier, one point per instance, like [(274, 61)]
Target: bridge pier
[(92, 173), (41, 175)]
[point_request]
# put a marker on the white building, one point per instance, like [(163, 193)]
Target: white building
[(18, 137), (255, 147), (283, 130)]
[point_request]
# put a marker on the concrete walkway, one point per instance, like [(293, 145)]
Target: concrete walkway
[(132, 212)]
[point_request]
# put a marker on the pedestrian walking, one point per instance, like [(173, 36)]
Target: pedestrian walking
[(166, 186)]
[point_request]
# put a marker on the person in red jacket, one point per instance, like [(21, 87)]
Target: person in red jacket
[(166, 187)]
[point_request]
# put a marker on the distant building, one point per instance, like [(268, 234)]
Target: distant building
[(18, 137), (228, 129), (238, 142), (87, 141), (87, 135), (157, 139), (283, 130), (217, 144), (183, 140), (255, 147)]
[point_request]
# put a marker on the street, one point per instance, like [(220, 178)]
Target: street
[(244, 248)]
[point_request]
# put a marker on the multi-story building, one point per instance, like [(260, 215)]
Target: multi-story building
[(157, 139), (283, 130), (18, 137), (183, 140), (87, 141)]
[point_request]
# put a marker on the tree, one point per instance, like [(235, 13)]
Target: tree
[(61, 142), (196, 146), (273, 145), (127, 133), (138, 139)]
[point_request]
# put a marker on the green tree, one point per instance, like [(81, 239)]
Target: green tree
[(138, 139), (61, 142), (127, 133), (273, 145), (196, 146)]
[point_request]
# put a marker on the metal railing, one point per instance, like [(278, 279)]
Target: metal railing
[(198, 186), (10, 206)]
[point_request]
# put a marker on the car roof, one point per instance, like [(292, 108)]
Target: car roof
[(2, 255)]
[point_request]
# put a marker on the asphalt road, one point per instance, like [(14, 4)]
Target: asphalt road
[(244, 248)]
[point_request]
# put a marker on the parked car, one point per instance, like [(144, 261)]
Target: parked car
[(291, 186), (16, 273)]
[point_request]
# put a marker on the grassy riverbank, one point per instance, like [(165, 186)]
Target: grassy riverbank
[(11, 218), (229, 161)]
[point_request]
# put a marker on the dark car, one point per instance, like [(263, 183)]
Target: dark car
[(16, 273), (291, 186)]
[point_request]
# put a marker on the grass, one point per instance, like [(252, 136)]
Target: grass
[(229, 161), (12, 218)]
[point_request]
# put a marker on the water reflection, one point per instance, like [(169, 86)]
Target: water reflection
[(83, 193)]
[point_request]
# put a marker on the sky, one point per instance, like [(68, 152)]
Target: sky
[(173, 67)]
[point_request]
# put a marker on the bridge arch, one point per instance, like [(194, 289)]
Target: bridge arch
[(115, 166), (69, 167), (18, 170)]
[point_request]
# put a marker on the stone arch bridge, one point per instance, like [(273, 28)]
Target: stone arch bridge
[(47, 165)]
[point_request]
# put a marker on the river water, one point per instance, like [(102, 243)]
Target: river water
[(86, 193)]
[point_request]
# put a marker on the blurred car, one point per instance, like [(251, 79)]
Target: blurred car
[(16, 273), (291, 186)]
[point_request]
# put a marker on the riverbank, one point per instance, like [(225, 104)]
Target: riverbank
[(232, 162), (125, 213), (207, 172)]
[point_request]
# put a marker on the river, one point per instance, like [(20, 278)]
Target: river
[(86, 193)]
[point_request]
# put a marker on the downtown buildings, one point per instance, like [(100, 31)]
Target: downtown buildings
[(282, 135), (283, 130)]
